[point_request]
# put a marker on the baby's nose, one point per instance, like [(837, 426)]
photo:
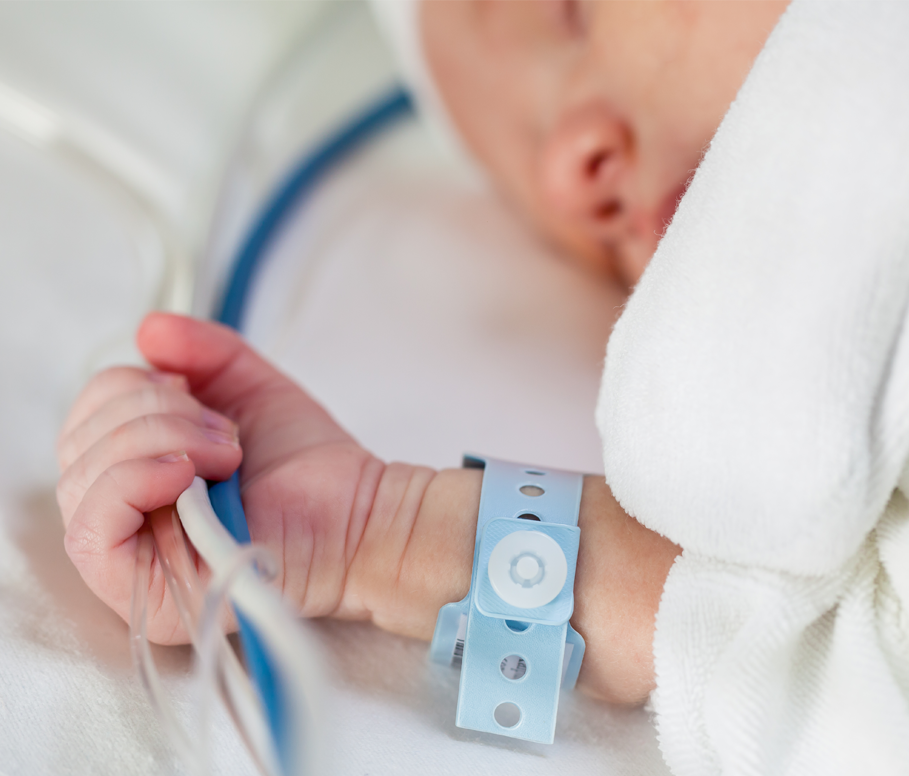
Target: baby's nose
[(584, 161)]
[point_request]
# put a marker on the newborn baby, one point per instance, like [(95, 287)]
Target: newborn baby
[(747, 557), (590, 117)]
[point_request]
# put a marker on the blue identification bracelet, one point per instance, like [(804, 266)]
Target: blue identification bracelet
[(511, 633)]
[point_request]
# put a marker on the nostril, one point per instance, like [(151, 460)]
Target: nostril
[(608, 210), (595, 163)]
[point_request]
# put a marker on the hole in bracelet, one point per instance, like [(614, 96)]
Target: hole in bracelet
[(513, 667), (528, 516), (532, 490), (517, 626), (507, 714), (534, 473)]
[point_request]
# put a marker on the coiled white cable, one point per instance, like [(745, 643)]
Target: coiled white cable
[(217, 666), (295, 654), (235, 575), (186, 589), (145, 554), (210, 637)]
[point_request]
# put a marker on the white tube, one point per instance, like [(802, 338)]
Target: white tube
[(297, 656), (186, 590), (142, 656), (210, 653)]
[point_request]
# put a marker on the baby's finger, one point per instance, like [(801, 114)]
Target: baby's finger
[(101, 536), (151, 398), (215, 454), (112, 382), (276, 417)]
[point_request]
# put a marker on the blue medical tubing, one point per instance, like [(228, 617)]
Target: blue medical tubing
[(225, 496), (298, 184), (225, 500)]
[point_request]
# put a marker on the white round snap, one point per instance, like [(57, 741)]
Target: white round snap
[(527, 569)]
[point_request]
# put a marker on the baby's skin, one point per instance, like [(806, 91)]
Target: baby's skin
[(591, 117), (354, 537)]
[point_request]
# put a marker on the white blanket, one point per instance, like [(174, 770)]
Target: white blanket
[(755, 410)]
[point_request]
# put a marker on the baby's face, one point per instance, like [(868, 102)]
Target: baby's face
[(593, 116)]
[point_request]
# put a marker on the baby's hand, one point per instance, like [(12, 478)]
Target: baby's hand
[(135, 439), (353, 537)]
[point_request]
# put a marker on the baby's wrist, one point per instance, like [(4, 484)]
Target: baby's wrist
[(416, 549), (416, 554), (622, 567)]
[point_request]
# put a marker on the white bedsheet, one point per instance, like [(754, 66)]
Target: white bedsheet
[(418, 310)]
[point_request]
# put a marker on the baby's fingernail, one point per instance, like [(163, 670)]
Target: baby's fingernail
[(216, 420), (173, 457), (169, 378), (221, 437)]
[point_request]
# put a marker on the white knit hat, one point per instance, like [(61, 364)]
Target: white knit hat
[(399, 22)]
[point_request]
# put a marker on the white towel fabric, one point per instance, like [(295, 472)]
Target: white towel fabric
[(755, 410)]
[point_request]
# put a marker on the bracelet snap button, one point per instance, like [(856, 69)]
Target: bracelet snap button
[(527, 569)]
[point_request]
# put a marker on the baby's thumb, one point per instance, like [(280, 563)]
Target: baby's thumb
[(275, 415)]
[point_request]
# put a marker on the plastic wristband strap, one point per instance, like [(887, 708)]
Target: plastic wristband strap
[(511, 633)]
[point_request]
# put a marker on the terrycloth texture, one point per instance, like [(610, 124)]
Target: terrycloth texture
[(755, 410)]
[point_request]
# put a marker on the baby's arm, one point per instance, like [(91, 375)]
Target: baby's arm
[(354, 537)]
